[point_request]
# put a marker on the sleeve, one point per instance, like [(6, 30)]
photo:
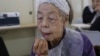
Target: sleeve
[(88, 49), (84, 15), (87, 15), (96, 24), (32, 53)]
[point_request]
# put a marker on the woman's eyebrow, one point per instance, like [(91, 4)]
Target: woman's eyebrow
[(52, 12), (39, 12)]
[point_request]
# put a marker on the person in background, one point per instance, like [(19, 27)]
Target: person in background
[(57, 39), (97, 50), (96, 20), (91, 15)]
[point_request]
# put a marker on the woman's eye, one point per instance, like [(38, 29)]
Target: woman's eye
[(40, 18), (52, 17), (52, 20)]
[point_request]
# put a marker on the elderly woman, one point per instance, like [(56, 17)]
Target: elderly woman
[(58, 40)]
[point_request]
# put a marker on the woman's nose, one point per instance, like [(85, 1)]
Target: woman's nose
[(45, 22)]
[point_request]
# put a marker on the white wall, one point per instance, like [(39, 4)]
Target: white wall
[(21, 6), (77, 8), (87, 3)]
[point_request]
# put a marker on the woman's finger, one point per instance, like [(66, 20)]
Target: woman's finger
[(35, 46), (45, 48), (40, 46)]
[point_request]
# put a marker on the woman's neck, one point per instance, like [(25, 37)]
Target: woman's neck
[(57, 41)]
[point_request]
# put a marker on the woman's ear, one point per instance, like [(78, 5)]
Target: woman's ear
[(66, 20)]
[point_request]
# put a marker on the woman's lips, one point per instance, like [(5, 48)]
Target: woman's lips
[(46, 35)]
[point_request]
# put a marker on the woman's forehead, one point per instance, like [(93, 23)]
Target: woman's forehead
[(62, 5), (47, 8)]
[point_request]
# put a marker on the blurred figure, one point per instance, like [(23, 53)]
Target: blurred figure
[(3, 49), (88, 13), (91, 15), (97, 50), (96, 20)]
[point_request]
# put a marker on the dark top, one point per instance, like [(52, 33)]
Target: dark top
[(88, 15), (96, 24), (88, 49)]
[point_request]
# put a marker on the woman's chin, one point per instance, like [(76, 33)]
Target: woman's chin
[(48, 38)]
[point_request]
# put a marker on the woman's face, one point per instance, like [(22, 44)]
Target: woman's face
[(50, 22), (96, 3)]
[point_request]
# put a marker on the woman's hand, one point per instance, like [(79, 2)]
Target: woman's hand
[(40, 47)]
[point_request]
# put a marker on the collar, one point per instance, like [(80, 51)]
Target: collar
[(91, 9)]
